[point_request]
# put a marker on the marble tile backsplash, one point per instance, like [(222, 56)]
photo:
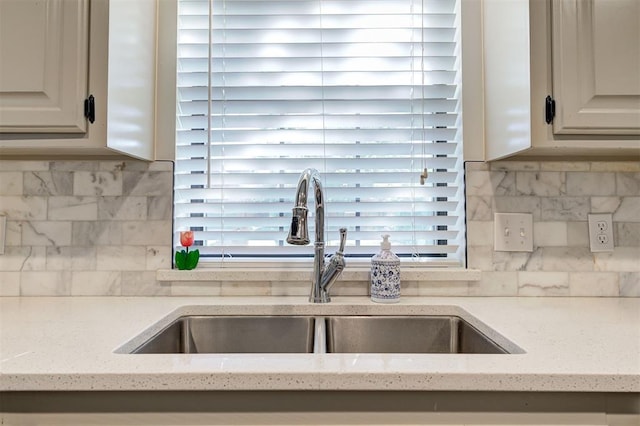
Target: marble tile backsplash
[(559, 195), (104, 227), (82, 228)]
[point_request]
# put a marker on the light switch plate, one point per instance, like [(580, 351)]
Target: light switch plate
[(513, 232)]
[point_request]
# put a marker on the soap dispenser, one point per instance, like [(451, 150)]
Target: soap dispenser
[(385, 274)]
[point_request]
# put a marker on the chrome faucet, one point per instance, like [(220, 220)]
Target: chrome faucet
[(323, 277)]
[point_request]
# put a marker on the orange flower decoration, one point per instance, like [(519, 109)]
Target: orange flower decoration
[(186, 238)]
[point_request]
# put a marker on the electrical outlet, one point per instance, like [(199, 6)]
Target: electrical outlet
[(601, 232), (513, 232)]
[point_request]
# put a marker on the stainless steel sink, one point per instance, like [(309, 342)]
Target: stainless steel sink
[(307, 334), (233, 334), (406, 334)]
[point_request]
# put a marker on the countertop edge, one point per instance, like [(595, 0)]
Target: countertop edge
[(278, 381)]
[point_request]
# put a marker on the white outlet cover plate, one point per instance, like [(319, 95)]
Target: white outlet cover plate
[(601, 232), (513, 232)]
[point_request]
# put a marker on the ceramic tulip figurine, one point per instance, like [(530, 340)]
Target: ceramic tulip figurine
[(185, 259)]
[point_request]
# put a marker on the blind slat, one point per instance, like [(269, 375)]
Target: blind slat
[(333, 180), (197, 96), (191, 49), (309, 149), (239, 236), (230, 251), (339, 207)]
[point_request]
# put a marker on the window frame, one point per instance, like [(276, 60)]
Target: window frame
[(472, 99)]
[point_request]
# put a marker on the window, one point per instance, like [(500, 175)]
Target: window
[(365, 91)]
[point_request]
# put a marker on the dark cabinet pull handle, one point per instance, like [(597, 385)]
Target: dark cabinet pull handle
[(549, 109), (90, 108)]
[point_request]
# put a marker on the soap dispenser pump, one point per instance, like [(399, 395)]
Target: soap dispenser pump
[(385, 274)]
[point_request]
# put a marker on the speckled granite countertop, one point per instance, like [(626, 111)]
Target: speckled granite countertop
[(569, 344)]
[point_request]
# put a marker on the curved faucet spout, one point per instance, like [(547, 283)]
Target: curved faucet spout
[(323, 278)]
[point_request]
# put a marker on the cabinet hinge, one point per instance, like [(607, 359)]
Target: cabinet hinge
[(90, 108), (549, 109)]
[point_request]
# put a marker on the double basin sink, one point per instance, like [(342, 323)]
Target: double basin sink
[(320, 334)]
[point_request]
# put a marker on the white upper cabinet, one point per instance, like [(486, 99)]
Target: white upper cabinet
[(596, 66), (581, 55), (44, 46), (58, 53)]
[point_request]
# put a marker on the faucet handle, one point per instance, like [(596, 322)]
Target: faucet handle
[(334, 268), (343, 239)]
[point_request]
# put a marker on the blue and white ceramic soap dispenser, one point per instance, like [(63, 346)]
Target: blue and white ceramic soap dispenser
[(385, 274)]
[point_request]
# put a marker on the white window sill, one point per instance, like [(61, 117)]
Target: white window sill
[(298, 274)]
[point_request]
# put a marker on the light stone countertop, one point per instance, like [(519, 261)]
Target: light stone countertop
[(569, 344)]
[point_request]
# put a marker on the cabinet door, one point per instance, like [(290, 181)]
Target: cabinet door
[(596, 66), (44, 66)]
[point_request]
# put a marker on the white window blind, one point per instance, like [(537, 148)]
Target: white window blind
[(365, 91)]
